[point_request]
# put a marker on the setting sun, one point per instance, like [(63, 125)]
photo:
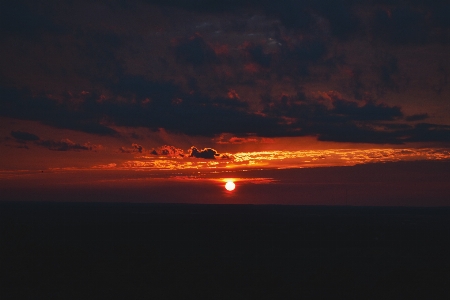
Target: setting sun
[(230, 186)]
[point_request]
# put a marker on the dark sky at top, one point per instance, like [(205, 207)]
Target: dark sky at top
[(343, 71)]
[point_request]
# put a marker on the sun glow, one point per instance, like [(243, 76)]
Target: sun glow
[(230, 186)]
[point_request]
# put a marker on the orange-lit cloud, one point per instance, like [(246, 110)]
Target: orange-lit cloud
[(227, 138), (337, 157), (282, 159)]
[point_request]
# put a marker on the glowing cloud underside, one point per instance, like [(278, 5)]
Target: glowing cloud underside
[(284, 159)]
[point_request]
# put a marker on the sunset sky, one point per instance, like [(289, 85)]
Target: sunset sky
[(297, 102)]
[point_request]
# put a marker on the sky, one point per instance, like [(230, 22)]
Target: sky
[(298, 102)]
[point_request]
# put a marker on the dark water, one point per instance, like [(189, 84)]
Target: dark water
[(151, 251)]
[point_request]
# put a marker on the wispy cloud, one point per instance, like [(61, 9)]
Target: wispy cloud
[(23, 138)]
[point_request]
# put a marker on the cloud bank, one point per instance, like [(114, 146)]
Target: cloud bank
[(244, 68)]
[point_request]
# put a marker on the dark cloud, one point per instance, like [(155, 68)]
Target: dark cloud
[(257, 55), (306, 50), (97, 53), (24, 136), (292, 57), (20, 18), (195, 51), (205, 5), (355, 133), (57, 112), (332, 118), (368, 112), (155, 105), (390, 77), (297, 15), (343, 21), (135, 148), (67, 145), (292, 14), (391, 21), (168, 151), (138, 148), (61, 145), (401, 25), (356, 85), (165, 150), (425, 132), (206, 153), (418, 117), (297, 47), (329, 107)]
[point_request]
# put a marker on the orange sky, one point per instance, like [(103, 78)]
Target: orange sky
[(93, 93)]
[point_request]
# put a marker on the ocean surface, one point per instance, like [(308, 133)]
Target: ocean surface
[(54, 250)]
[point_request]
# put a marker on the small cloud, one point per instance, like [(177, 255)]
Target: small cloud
[(135, 148), (206, 153), (24, 136), (138, 148), (168, 151)]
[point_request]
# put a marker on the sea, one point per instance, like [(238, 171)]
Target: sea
[(51, 250)]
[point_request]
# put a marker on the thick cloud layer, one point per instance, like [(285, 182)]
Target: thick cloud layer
[(179, 68), (328, 116)]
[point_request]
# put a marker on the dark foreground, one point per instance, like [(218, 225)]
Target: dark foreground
[(141, 251)]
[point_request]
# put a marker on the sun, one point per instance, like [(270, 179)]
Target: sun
[(230, 186)]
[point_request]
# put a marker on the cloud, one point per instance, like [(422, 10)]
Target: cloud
[(327, 115), (168, 151), (190, 85), (256, 54), (61, 145), (329, 107), (135, 148), (417, 117), (67, 145), (226, 138), (370, 111), (55, 111), (195, 51), (206, 153), (330, 117), (165, 150), (291, 56), (425, 132), (400, 25), (138, 148), (24, 136)]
